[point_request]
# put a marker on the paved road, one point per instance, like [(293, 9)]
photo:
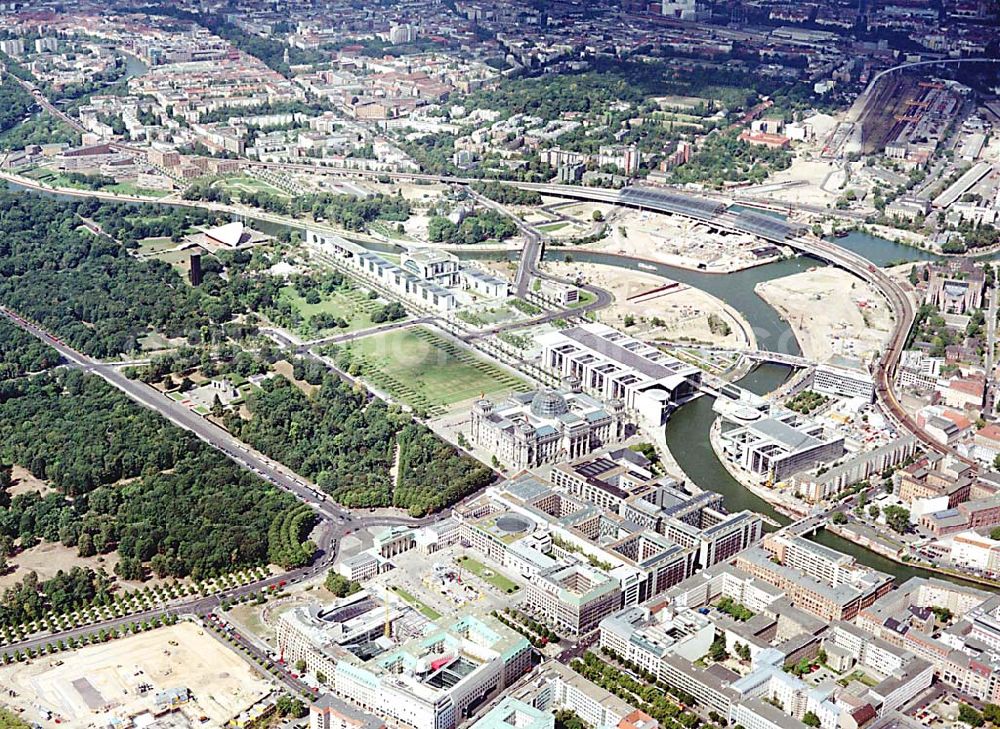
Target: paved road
[(183, 417), (991, 343), (531, 252), (351, 336), (336, 521), (578, 648)]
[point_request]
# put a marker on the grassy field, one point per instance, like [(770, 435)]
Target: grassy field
[(489, 316), (58, 179), (553, 227), (428, 612), (245, 183), (177, 259), (427, 371), (155, 245), (485, 573), (388, 229), (129, 188), (353, 306), (153, 342)]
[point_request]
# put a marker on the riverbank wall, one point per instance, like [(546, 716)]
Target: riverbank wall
[(894, 555), (782, 503)]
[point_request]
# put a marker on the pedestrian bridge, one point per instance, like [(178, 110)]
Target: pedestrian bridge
[(757, 355), (764, 355)]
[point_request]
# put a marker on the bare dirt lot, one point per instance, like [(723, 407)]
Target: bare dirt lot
[(47, 558), (678, 241), (97, 683), (682, 311), (25, 483), (831, 312), (807, 179)]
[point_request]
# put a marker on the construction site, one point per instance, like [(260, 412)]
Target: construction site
[(178, 675)]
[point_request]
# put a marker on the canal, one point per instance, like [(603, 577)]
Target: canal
[(134, 66), (880, 251)]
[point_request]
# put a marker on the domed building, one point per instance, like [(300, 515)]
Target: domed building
[(545, 426)]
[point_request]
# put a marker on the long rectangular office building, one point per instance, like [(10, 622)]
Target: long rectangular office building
[(780, 445), (616, 366), (402, 282)]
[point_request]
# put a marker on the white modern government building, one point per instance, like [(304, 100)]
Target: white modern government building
[(776, 445), (615, 366), (430, 278)]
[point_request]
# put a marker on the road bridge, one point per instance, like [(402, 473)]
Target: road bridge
[(764, 355)]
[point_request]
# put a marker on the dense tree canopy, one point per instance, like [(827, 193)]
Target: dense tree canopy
[(507, 194), (347, 442), (139, 484), (725, 158), (72, 410), (39, 129), (21, 353), (31, 598), (477, 228), (347, 211), (86, 288), (15, 103), (98, 298)]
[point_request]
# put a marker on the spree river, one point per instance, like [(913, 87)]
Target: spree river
[(687, 432)]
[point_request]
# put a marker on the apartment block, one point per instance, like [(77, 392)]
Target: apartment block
[(840, 599)]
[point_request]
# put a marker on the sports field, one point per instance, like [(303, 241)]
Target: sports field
[(423, 369)]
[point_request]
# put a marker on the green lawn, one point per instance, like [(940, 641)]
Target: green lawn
[(553, 227), (486, 317), (427, 371), (156, 245), (177, 259), (388, 229), (860, 676), (153, 342), (9, 720), (585, 298), (58, 179), (352, 305), (428, 612), (55, 179), (245, 183), (129, 188), (485, 573)]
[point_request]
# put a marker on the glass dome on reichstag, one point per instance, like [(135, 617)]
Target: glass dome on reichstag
[(548, 404)]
